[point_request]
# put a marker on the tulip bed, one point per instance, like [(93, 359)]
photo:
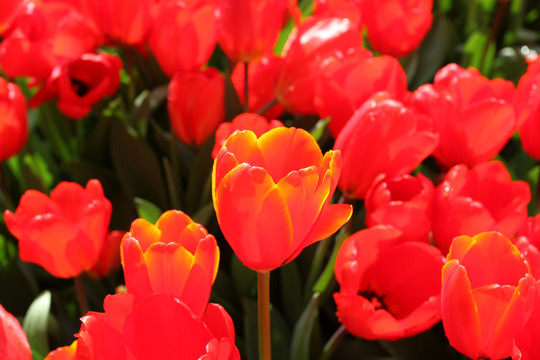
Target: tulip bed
[(296, 179)]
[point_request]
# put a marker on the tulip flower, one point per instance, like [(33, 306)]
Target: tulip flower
[(257, 33), (383, 136), (527, 241), (315, 44), (196, 104), (346, 86), (390, 288), (262, 78), (527, 105), (63, 353), (246, 121), (465, 203), (192, 30), (175, 257), (13, 120), (473, 115), (487, 295), (529, 335), (64, 233), (403, 201), (13, 342), (125, 21), (397, 27), (350, 9), (81, 83), (42, 35), (156, 327), (9, 8), (109, 258), (269, 204)]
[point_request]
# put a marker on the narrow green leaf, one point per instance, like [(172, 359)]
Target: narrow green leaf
[(35, 323), (301, 337), (147, 210)]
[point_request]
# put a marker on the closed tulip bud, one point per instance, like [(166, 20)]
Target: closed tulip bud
[(13, 342), (64, 233), (196, 104), (14, 121)]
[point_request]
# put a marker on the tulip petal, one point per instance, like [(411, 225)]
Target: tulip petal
[(145, 233), (254, 218), (459, 311), (135, 272)]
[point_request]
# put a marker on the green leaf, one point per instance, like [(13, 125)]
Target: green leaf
[(301, 337), (328, 272), (479, 52), (291, 291), (35, 323), (318, 130), (147, 210)]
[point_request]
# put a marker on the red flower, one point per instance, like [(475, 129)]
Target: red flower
[(350, 9), (346, 86), (486, 295), (483, 198), (315, 44), (192, 30), (383, 136), (13, 120), (63, 353), (527, 104), (529, 335), (9, 8), (528, 243), (175, 257), (246, 121), (403, 201), (121, 20), (262, 77), (13, 342), (472, 114), (81, 83), (397, 27), (271, 205), (109, 258), (156, 327), (196, 104), (256, 34), (389, 288), (43, 35), (64, 233)]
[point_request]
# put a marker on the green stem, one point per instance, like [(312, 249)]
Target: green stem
[(263, 287), (537, 195), (246, 86), (4, 189), (50, 127), (501, 8), (81, 295), (333, 343), (267, 106)]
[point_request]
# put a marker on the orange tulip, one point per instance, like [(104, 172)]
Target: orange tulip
[(63, 353), (270, 204), (175, 257), (487, 295)]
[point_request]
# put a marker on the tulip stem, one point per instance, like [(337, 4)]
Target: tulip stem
[(267, 106), (263, 287), (333, 343), (246, 86), (81, 295), (537, 195)]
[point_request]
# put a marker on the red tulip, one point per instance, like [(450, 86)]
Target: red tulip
[(109, 258), (269, 204), (192, 30), (403, 201), (350, 9), (63, 353), (472, 114), (383, 136), (389, 288), (125, 21), (13, 120), (257, 32), (262, 77), (527, 104), (64, 233), (529, 335), (9, 8), (156, 327), (81, 83), (465, 203), (315, 44), (528, 242), (43, 35), (397, 27), (345, 87), (175, 257), (196, 104), (246, 121), (486, 295), (13, 342)]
